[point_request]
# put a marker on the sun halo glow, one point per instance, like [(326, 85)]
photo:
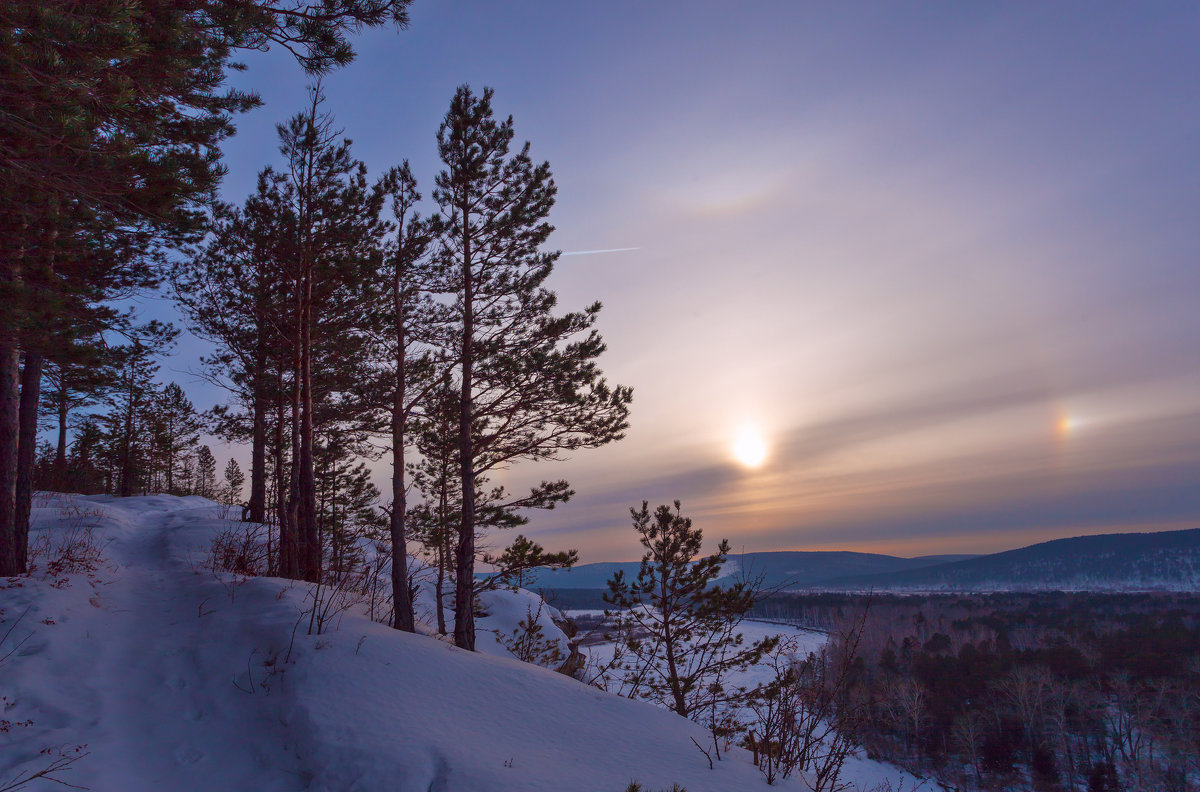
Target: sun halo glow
[(749, 448)]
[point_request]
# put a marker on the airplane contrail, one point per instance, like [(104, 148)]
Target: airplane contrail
[(590, 252)]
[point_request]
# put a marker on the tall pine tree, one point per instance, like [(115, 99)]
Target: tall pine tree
[(337, 226), (529, 384), (405, 369)]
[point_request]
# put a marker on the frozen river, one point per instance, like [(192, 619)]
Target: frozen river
[(803, 641)]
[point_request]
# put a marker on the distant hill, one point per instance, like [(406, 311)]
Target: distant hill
[(1165, 560), (781, 568)]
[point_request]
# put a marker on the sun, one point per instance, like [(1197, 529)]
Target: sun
[(749, 448)]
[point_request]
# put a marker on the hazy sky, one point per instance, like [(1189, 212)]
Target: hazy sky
[(943, 262)]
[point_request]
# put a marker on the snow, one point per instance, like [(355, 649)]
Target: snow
[(506, 610), (176, 678)]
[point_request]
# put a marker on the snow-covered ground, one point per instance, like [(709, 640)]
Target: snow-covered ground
[(173, 678)]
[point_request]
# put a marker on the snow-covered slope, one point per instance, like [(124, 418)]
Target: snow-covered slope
[(177, 679)]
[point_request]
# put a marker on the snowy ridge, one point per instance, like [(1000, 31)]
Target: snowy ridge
[(1159, 561), (177, 679)]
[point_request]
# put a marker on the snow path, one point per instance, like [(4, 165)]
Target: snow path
[(159, 656), (141, 662), (177, 680)]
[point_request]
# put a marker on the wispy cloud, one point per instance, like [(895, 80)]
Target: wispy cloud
[(593, 252)]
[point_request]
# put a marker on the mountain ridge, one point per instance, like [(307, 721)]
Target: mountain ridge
[(1145, 560), (1132, 560)]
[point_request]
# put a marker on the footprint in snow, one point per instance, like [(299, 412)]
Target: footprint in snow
[(186, 755)]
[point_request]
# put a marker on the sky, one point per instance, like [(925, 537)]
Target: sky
[(936, 264)]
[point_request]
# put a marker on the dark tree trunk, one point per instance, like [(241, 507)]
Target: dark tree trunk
[(10, 374), (286, 549), (401, 597), (31, 387), (257, 506), (441, 584), (464, 584), (294, 542), (60, 450), (444, 550), (9, 432), (289, 539), (259, 383), (310, 542), (169, 462), (125, 485)]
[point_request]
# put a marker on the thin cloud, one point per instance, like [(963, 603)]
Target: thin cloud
[(592, 252)]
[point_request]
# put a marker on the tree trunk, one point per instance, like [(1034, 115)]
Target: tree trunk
[(294, 545), (31, 386), (441, 583), (286, 549), (60, 451), (9, 433), (443, 540), (401, 598), (169, 453), (10, 373), (125, 485), (464, 584), (402, 605), (257, 506), (310, 542)]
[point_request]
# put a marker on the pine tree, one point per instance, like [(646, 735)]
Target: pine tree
[(435, 475), (231, 493), (405, 370), (131, 403), (233, 295), (337, 226), (435, 520), (680, 628), (515, 566), (530, 388), (175, 428), (347, 502), (84, 473), (76, 377), (112, 120), (206, 473)]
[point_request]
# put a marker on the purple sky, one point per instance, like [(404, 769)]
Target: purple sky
[(943, 262)]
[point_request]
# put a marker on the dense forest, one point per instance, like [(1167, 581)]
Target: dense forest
[(1059, 690)]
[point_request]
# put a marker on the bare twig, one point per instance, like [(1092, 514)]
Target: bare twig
[(707, 755)]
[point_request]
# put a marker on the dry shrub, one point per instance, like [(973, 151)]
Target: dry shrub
[(239, 548), (71, 550)]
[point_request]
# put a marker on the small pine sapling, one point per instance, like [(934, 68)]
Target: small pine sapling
[(679, 629), (529, 643)]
